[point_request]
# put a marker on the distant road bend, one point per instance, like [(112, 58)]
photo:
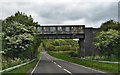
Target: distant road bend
[(49, 65)]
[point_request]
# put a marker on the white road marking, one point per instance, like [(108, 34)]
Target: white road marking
[(59, 66), (67, 71), (81, 66), (47, 57), (35, 66), (77, 65), (54, 62)]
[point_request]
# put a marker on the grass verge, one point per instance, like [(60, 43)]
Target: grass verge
[(21, 70), (111, 68)]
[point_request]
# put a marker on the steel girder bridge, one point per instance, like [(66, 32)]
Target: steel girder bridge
[(84, 34)]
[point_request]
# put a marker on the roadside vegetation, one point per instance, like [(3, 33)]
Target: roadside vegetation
[(101, 58), (62, 45), (26, 69), (19, 40), (22, 70), (107, 40), (110, 68)]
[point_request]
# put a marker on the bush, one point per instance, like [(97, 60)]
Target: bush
[(50, 48), (58, 48), (8, 62), (64, 48)]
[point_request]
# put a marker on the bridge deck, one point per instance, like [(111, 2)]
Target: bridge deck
[(69, 31)]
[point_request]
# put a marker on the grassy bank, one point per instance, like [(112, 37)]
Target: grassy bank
[(111, 68), (23, 70)]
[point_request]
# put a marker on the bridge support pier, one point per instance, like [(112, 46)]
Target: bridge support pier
[(81, 47), (86, 44)]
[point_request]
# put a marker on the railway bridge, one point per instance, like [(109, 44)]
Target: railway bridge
[(84, 34)]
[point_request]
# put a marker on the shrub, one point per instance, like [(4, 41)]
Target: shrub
[(50, 48), (8, 62)]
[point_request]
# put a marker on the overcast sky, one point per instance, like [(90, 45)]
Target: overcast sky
[(91, 13)]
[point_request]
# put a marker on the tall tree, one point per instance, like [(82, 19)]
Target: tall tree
[(108, 43), (107, 39), (111, 24), (19, 35)]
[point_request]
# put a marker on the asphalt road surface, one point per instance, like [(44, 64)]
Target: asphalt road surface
[(49, 65)]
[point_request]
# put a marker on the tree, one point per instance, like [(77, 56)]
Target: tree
[(111, 24), (108, 42), (58, 42), (19, 35), (107, 38), (60, 45)]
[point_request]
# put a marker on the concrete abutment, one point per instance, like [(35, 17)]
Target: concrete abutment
[(87, 47)]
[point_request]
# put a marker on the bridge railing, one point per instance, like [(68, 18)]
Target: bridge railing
[(61, 29)]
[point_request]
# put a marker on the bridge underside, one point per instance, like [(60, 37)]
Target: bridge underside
[(61, 36)]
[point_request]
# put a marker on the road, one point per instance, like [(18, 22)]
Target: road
[(49, 65)]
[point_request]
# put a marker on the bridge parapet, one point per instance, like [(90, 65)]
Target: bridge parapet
[(69, 31), (73, 29)]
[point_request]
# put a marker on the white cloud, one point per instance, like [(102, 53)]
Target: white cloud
[(59, 1), (80, 21), (88, 12)]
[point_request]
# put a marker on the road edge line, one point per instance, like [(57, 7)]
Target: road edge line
[(79, 65), (35, 66)]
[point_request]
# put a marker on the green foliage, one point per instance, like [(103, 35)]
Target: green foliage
[(20, 37), (8, 62), (110, 68), (111, 24), (101, 58), (58, 42), (21, 70), (50, 48), (108, 42), (60, 45), (64, 48), (107, 39), (19, 40)]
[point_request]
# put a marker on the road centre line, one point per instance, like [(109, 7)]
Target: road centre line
[(81, 66), (59, 65), (67, 71), (54, 62), (62, 68)]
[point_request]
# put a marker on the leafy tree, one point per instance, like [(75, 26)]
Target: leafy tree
[(107, 39), (19, 36), (22, 19), (111, 24), (58, 42), (60, 45), (51, 48), (108, 43)]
